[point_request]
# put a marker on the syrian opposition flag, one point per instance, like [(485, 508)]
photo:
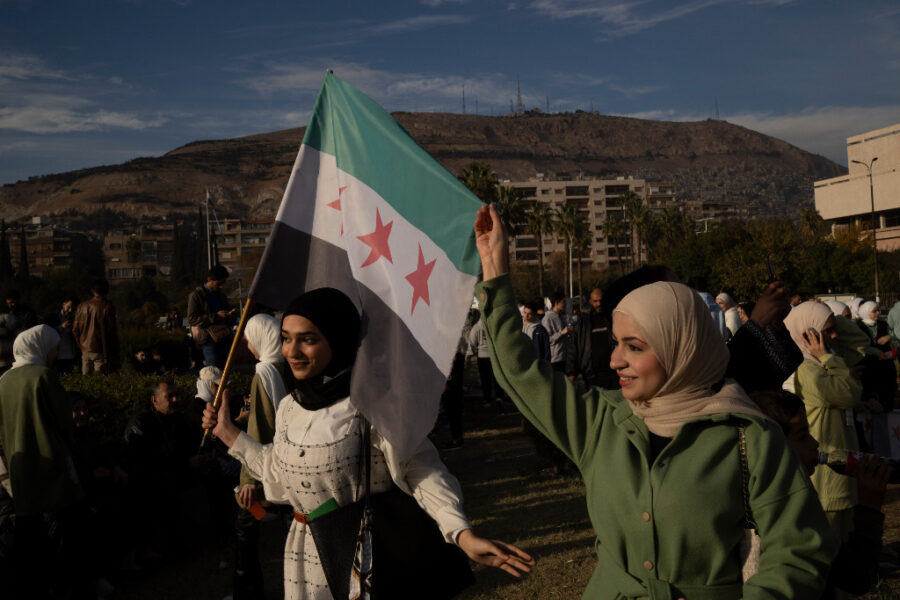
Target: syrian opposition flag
[(368, 212)]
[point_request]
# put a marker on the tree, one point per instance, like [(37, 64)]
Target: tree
[(812, 222), (6, 269), (539, 221), (636, 214), (24, 273), (509, 202), (614, 229), (567, 218), (581, 246), (479, 178)]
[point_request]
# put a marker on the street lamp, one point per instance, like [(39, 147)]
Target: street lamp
[(872, 201)]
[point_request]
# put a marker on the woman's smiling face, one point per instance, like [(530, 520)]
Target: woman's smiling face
[(640, 373), (304, 347)]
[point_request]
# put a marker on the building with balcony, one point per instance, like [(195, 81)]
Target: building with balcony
[(596, 199), (146, 252), (847, 199), (49, 248)]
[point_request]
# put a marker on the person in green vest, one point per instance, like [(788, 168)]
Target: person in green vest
[(37, 437), (661, 458)]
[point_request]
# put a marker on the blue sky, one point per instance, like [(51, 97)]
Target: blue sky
[(87, 83)]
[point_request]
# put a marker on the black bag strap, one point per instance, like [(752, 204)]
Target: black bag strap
[(749, 522), (365, 457)]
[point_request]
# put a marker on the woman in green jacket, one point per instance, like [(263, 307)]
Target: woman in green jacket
[(830, 394), (661, 458)]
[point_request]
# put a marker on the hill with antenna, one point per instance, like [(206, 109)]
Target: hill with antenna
[(708, 160)]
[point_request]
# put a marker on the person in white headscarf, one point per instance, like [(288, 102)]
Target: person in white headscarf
[(37, 436), (732, 316), (880, 376), (664, 446), (854, 308), (830, 394), (838, 308), (263, 335)]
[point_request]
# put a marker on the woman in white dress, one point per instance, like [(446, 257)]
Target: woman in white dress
[(315, 453)]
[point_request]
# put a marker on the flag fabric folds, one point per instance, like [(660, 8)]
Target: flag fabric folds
[(369, 212)]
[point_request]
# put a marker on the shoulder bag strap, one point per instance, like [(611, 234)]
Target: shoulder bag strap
[(365, 456), (749, 522)]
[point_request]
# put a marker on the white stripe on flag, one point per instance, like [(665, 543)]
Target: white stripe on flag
[(345, 209)]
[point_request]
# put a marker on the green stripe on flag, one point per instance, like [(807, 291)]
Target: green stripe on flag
[(370, 145)]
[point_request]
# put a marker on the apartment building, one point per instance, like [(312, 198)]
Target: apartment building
[(147, 252), (48, 247), (596, 200)]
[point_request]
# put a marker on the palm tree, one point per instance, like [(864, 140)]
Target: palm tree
[(479, 178), (539, 221), (581, 244), (509, 203), (567, 218), (614, 229), (636, 214)]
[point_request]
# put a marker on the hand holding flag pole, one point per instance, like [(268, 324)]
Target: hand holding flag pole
[(217, 402)]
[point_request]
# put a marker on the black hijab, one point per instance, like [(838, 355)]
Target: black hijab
[(335, 315)]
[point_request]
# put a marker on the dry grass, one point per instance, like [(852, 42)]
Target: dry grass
[(506, 498)]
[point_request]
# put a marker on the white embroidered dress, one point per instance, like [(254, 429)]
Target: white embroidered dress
[(314, 457)]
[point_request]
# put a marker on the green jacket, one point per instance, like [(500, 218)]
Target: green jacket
[(671, 528), (38, 438), (830, 395)]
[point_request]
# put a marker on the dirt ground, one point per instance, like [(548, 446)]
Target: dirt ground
[(506, 497)]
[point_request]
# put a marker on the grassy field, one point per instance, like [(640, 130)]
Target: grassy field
[(506, 498)]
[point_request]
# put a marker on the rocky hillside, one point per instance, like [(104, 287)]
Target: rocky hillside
[(710, 160)]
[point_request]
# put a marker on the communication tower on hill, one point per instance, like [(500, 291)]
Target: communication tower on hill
[(519, 109), (464, 100)]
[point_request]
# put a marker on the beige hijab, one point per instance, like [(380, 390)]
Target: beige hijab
[(809, 315), (676, 324)]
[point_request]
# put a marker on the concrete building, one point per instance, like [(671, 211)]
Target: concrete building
[(596, 199), (146, 252), (846, 199), (48, 248)]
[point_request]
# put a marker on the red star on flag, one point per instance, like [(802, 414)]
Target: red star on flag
[(419, 280), (336, 205), (378, 241)]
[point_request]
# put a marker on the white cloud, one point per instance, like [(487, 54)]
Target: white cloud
[(626, 17), (19, 67), (818, 129), (417, 23), (436, 3), (821, 130), (47, 119), (394, 90)]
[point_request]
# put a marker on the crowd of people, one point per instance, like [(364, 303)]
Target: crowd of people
[(661, 396)]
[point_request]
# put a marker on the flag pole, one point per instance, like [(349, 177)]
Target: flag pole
[(217, 402)]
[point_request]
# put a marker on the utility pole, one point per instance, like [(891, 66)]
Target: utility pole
[(464, 99), (874, 240)]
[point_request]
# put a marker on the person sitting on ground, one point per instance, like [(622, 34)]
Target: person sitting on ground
[(142, 362), (855, 569), (661, 458)]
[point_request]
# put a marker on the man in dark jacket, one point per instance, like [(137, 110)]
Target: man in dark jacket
[(590, 347), (210, 319)]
